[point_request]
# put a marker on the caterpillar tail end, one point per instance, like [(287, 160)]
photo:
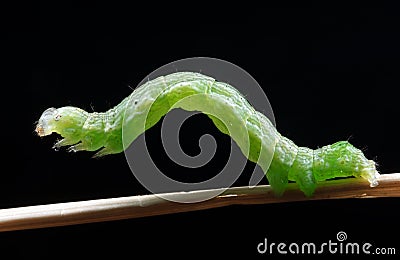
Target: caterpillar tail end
[(371, 174)]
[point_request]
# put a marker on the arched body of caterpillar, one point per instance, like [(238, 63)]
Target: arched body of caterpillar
[(151, 101)]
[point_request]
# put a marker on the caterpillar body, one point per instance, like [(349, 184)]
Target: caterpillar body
[(191, 91)]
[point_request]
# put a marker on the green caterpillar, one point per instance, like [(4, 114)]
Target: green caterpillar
[(194, 91)]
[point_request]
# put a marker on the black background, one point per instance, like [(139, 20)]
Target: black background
[(330, 74)]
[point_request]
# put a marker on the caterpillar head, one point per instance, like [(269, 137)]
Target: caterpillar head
[(66, 121)]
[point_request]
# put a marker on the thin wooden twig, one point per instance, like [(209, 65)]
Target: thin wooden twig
[(90, 211)]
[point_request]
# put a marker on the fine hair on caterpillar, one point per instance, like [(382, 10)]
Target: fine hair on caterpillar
[(256, 137)]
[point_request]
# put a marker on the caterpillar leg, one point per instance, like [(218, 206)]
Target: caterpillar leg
[(302, 171), (64, 142), (77, 148), (284, 156), (103, 151), (278, 182)]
